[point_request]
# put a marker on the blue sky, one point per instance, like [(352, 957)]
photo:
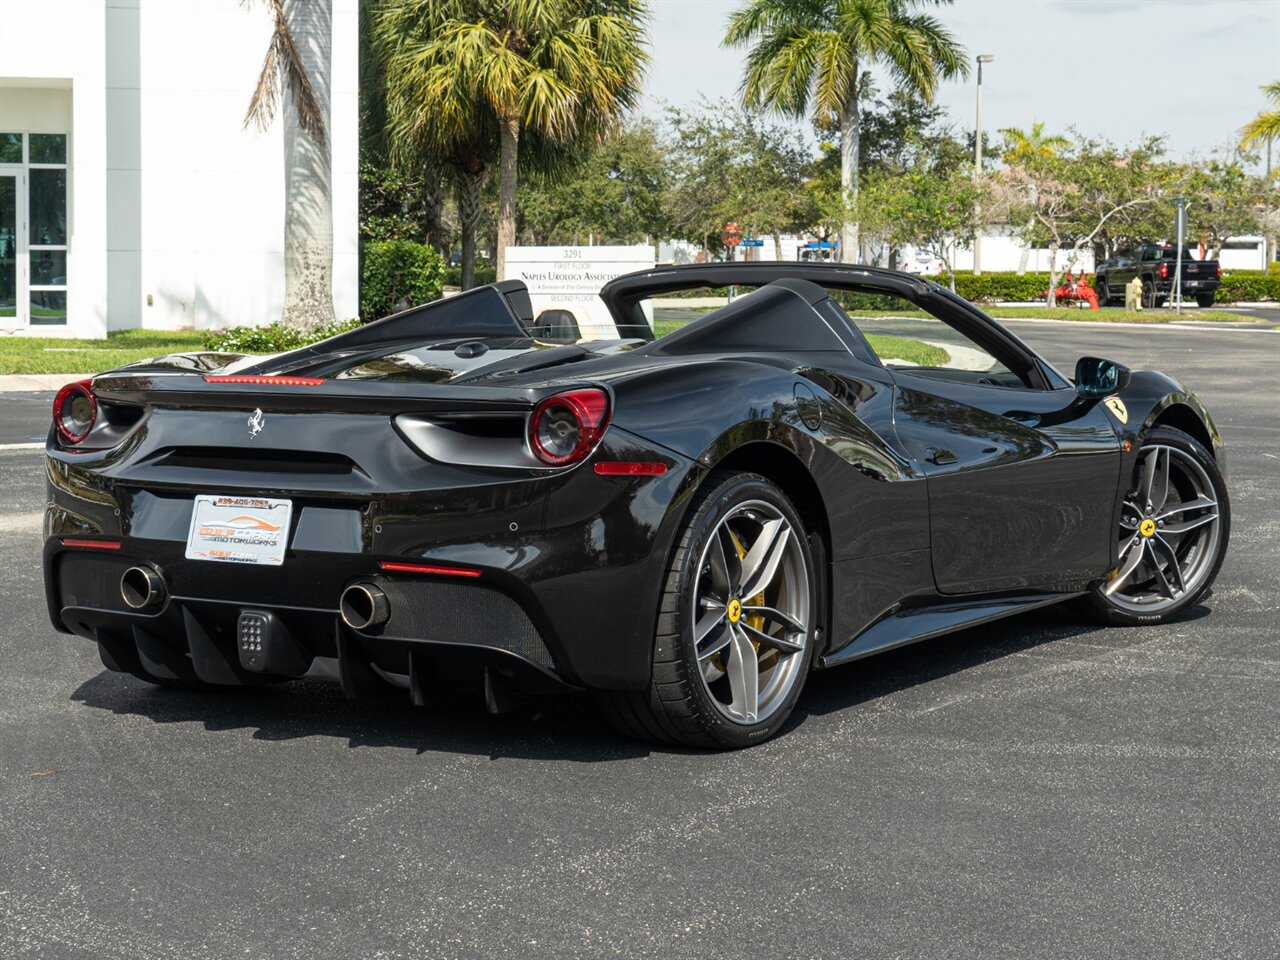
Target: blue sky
[(1115, 68)]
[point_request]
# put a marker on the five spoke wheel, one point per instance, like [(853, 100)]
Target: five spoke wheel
[(751, 621), (1170, 533), (738, 621)]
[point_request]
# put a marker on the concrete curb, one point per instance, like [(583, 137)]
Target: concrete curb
[(21, 382), (1243, 326)]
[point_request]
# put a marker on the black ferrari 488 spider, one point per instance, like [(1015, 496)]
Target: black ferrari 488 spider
[(686, 519)]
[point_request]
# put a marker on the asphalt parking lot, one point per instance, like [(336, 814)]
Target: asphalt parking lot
[(1041, 787)]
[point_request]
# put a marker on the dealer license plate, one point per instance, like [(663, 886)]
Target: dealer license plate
[(239, 530)]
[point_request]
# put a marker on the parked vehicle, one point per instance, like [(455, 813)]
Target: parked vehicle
[(686, 525), (1156, 265)]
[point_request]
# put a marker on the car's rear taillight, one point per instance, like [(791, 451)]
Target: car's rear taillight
[(1164, 271), (75, 411), (566, 427), (1219, 271)]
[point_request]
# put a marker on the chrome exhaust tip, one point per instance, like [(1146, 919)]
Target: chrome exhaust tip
[(363, 605), (142, 587)]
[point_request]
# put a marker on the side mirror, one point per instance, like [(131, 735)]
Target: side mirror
[(1097, 378)]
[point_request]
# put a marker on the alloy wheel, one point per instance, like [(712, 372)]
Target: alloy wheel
[(751, 621), (1169, 533)]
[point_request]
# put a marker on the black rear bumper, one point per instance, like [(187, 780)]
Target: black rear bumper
[(457, 632), (567, 570)]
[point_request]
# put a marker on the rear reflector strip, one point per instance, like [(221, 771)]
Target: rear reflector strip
[(630, 468), (267, 381), (390, 566), (91, 544)]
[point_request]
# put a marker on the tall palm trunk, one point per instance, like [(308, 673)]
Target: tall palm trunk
[(433, 206), (308, 216), (850, 144), (470, 189), (510, 139)]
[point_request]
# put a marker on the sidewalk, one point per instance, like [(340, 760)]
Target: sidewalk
[(22, 382)]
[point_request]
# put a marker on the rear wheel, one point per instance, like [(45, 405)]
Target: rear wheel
[(1204, 300), (1104, 294), (1149, 300), (1174, 525), (735, 625)]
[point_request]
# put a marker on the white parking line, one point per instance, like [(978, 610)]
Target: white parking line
[(21, 522), (21, 446)]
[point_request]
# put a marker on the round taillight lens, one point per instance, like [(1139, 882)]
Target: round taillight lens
[(566, 427), (75, 410)]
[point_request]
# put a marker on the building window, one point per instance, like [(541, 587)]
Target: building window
[(33, 228), (47, 212)]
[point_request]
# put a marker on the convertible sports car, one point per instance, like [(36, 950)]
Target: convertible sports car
[(841, 461)]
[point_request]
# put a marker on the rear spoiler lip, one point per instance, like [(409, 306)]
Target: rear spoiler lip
[(190, 390)]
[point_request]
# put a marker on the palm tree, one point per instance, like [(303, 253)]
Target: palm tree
[(298, 61), (564, 70), (420, 132), (1024, 148), (806, 57), (1266, 125)]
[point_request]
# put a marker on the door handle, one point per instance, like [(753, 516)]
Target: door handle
[(937, 456)]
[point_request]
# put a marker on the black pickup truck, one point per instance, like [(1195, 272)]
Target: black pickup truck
[(1156, 265)]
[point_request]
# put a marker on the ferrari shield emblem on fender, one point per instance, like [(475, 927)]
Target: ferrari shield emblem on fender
[(1117, 408), (256, 423)]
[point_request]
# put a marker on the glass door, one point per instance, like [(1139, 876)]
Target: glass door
[(9, 299)]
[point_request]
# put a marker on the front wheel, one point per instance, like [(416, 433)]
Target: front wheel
[(1174, 525), (736, 623), (1103, 292)]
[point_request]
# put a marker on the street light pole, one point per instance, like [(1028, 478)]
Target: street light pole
[(977, 169)]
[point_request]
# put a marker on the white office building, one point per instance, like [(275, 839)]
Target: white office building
[(131, 195)]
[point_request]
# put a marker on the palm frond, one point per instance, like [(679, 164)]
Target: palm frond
[(283, 52)]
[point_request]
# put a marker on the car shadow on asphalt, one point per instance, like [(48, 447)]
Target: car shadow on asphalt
[(882, 675), (566, 727)]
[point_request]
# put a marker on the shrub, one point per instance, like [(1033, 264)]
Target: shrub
[(1245, 286), (1238, 285), (997, 287), (398, 271), (273, 338), (485, 273)]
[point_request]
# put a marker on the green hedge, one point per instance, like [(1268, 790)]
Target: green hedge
[(1245, 286), (996, 287), (485, 273), (273, 338), (399, 272), (1238, 285)]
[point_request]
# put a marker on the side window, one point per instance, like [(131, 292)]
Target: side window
[(908, 338)]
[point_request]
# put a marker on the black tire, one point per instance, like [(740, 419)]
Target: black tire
[(1149, 299), (1204, 300), (676, 707), (1104, 608), (1103, 292)]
